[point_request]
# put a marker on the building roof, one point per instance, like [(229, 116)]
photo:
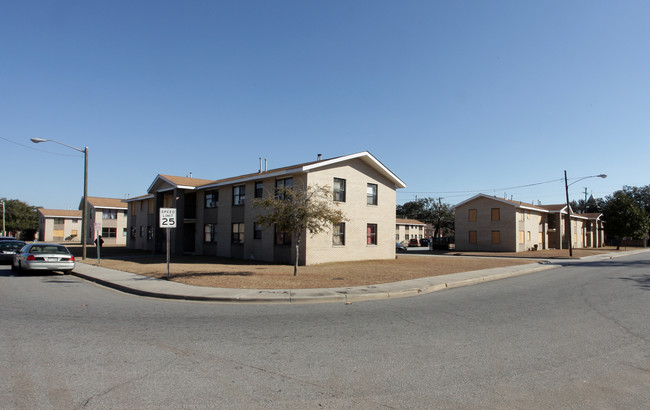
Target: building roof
[(403, 221), (59, 213), (194, 183), (516, 204), (110, 203), (553, 208)]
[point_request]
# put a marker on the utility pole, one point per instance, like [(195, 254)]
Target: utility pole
[(584, 211), (4, 232)]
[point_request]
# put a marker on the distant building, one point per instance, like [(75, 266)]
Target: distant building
[(487, 223), (109, 216), (58, 225), (218, 217), (407, 229)]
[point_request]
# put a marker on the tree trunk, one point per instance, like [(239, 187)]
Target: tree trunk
[(295, 263)]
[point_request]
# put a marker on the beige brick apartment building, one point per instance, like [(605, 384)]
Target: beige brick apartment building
[(486, 223), (107, 214), (58, 225), (218, 217)]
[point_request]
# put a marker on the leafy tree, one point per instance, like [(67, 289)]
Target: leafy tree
[(20, 216), (431, 211), (294, 210), (624, 217), (592, 205)]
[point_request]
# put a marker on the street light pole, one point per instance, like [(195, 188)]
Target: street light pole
[(84, 212), (568, 207)]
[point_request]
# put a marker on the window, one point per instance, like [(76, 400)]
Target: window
[(133, 232), (210, 233), (141, 231), (339, 190), (125, 232), (472, 215), (150, 232), (522, 237), (76, 232), (496, 237), (472, 237), (257, 231), (109, 214), (282, 238), (371, 234), (371, 193), (528, 235), (338, 237), (152, 206), (109, 232), (259, 189), (281, 185), (238, 195), (134, 208), (211, 199), (238, 233), (496, 214)]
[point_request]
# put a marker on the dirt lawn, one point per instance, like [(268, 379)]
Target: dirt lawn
[(240, 274)]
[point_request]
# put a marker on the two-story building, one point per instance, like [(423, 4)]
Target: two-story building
[(407, 229), (219, 217), (106, 217), (487, 223), (58, 225)]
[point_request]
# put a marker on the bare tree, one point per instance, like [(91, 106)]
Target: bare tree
[(294, 210)]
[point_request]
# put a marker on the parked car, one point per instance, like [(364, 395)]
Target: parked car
[(8, 249), (414, 242), (43, 256), (7, 238), (425, 242), (400, 247)]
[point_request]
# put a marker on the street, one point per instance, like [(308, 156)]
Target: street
[(571, 337)]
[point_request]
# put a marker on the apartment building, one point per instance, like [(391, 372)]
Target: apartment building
[(58, 225), (407, 229), (106, 217), (487, 223), (218, 217)]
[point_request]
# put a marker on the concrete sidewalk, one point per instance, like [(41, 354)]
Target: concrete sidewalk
[(160, 288)]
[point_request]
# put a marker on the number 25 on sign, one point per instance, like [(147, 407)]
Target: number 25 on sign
[(168, 217)]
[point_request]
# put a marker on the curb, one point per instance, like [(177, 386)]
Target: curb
[(162, 289)]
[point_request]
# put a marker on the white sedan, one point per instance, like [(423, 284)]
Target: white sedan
[(43, 256)]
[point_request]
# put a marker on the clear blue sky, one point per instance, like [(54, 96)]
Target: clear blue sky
[(455, 97)]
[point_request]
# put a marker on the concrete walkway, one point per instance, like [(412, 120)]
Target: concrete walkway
[(160, 288)]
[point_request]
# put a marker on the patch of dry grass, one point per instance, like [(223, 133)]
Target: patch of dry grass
[(241, 274)]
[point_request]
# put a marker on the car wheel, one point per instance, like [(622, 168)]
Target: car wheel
[(67, 272), (15, 268)]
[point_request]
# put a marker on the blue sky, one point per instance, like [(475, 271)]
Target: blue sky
[(455, 97)]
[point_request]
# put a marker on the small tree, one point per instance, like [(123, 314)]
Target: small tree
[(295, 210)]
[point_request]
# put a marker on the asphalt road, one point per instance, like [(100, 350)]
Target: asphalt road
[(572, 337)]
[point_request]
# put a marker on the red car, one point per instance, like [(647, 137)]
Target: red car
[(414, 242)]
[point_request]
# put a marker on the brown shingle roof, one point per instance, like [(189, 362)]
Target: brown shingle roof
[(409, 221), (98, 202), (60, 213), (186, 181)]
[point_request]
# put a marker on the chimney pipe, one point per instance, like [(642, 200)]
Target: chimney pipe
[(320, 157), (266, 164), (260, 171)]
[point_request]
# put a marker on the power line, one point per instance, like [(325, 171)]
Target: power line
[(38, 149)]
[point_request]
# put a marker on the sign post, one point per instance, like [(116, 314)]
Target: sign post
[(168, 221)]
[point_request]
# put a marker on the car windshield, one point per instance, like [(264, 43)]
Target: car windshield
[(10, 246), (49, 249)]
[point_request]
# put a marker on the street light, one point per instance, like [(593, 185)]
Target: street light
[(568, 206), (84, 212)]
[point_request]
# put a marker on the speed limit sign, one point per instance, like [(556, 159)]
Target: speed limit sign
[(167, 217)]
